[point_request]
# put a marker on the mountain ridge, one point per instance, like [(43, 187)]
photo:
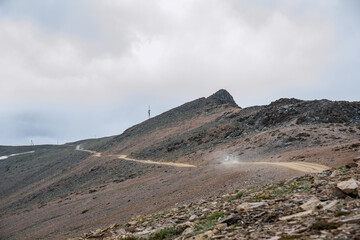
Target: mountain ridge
[(58, 187)]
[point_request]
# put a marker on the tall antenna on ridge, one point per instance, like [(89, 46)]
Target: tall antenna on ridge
[(149, 111)]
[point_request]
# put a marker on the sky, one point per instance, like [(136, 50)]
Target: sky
[(72, 70)]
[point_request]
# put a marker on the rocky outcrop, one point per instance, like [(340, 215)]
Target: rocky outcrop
[(222, 97), (284, 111)]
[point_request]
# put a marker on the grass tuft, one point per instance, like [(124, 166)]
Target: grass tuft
[(237, 196), (341, 213), (166, 233), (325, 226)]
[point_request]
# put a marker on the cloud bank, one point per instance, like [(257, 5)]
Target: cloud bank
[(67, 57)]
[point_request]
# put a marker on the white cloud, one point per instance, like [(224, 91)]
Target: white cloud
[(161, 48)]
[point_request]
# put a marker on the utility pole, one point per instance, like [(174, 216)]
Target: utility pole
[(149, 111), (31, 143)]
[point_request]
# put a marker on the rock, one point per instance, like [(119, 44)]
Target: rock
[(311, 204), (98, 233), (334, 173), (142, 233), (296, 215), (336, 192), (353, 219), (120, 232), (181, 227), (357, 159), (330, 206), (229, 219), (218, 237), (274, 238), (193, 217), (351, 165), (247, 206), (188, 231), (349, 187), (221, 226), (132, 223), (203, 236), (222, 96)]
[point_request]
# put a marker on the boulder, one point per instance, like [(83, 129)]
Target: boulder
[(187, 231), (311, 204), (349, 187), (181, 227)]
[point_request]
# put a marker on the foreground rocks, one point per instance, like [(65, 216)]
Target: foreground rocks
[(320, 206)]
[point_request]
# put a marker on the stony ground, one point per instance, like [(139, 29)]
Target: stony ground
[(317, 206)]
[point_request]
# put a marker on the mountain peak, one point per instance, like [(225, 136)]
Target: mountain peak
[(223, 97)]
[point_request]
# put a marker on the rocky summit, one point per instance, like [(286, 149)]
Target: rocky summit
[(207, 169)]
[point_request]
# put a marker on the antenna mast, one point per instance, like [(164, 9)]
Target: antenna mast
[(149, 111)]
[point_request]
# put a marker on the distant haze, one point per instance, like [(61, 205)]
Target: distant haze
[(86, 68)]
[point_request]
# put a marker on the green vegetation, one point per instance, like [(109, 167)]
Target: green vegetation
[(284, 188), (270, 188), (263, 196), (209, 222), (234, 227), (341, 213), (282, 183), (129, 238), (343, 169), (144, 220), (166, 233), (325, 225), (215, 216), (237, 196)]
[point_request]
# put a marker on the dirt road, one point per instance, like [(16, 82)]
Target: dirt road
[(79, 148), (299, 166), (124, 157)]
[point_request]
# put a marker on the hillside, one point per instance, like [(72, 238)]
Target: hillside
[(319, 206), (63, 191)]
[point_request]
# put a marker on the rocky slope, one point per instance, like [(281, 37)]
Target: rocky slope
[(59, 192), (320, 206)]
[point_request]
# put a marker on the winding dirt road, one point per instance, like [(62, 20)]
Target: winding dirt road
[(298, 166), (124, 157), (79, 148)]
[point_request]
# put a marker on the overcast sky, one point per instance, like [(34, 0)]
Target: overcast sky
[(78, 69)]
